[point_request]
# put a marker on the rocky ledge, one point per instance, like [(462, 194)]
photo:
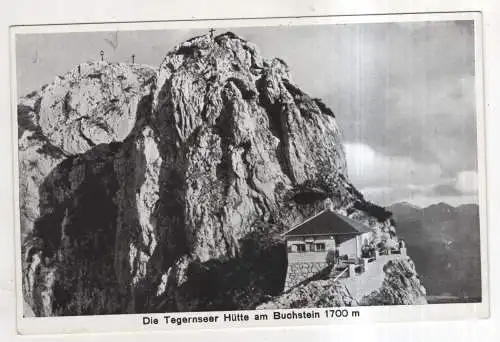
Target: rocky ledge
[(400, 286)]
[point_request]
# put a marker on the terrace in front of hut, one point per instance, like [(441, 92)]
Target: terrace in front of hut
[(335, 243)]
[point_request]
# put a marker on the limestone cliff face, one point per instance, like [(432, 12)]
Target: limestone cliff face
[(92, 104), (165, 191), (238, 135)]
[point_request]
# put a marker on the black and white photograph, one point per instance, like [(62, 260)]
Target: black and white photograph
[(248, 166)]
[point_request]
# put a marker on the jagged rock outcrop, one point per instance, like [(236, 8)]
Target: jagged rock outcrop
[(315, 294), (92, 104), (239, 135), (147, 209), (401, 286)]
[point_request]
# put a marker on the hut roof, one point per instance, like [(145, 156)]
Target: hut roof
[(327, 222)]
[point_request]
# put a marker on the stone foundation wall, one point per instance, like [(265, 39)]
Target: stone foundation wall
[(299, 271)]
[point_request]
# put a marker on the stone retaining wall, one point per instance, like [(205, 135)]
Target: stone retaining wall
[(300, 271)]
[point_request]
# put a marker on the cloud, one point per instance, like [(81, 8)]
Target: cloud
[(407, 89), (424, 201), (389, 179), (467, 182), (421, 196), (446, 190), (385, 195), (366, 167)]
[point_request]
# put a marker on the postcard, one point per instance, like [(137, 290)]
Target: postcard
[(251, 172)]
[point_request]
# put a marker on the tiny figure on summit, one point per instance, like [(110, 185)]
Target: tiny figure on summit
[(133, 59), (212, 33), (102, 55)]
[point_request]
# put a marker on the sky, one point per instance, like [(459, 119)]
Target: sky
[(403, 93)]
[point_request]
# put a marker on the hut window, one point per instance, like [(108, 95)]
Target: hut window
[(301, 247), (320, 247)]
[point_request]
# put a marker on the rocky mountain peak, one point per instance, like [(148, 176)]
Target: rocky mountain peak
[(240, 136), (168, 178), (94, 103), (225, 53)]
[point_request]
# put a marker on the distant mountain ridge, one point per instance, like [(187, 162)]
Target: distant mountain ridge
[(444, 242)]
